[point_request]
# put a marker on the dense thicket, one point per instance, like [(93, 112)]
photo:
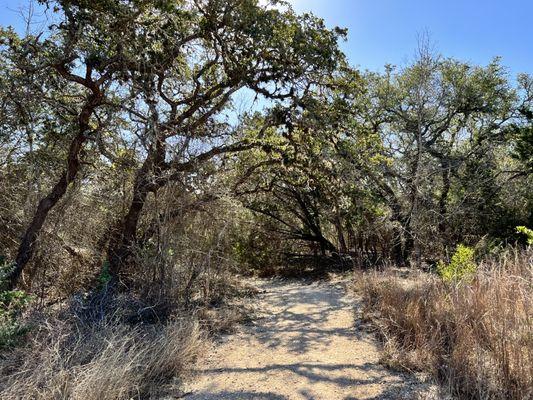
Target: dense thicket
[(405, 165), (127, 153)]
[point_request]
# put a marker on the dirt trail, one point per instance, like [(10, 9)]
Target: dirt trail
[(303, 346)]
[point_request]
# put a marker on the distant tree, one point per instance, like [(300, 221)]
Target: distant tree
[(309, 181), (437, 116)]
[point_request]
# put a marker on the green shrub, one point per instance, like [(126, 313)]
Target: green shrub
[(105, 275), (527, 232), (12, 304), (461, 266)]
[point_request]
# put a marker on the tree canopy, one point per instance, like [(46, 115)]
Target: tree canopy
[(120, 110)]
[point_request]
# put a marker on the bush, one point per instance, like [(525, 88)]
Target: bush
[(475, 338), (461, 266), (527, 232)]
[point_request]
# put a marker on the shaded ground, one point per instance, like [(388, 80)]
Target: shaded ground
[(303, 346)]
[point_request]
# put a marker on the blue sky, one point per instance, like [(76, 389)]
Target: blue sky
[(385, 31)]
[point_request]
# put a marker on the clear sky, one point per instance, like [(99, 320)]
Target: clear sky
[(385, 31)]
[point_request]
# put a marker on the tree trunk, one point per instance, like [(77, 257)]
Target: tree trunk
[(402, 241), (123, 240), (326, 245), (407, 220), (443, 200), (27, 244), (125, 237), (396, 249), (409, 243), (343, 248)]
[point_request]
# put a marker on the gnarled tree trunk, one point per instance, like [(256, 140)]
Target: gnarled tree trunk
[(124, 238), (27, 244)]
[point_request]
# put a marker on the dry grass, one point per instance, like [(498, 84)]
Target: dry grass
[(107, 361), (476, 338), (125, 346)]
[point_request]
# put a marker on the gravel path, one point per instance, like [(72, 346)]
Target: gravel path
[(303, 346)]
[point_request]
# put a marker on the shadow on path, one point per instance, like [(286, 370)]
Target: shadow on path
[(299, 323), (304, 346)]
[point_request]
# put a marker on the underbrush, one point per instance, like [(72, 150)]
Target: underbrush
[(109, 360), (83, 338), (118, 347), (474, 336)]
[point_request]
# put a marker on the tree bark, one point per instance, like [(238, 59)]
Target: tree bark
[(122, 242), (409, 243), (396, 250)]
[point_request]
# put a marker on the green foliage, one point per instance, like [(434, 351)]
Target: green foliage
[(460, 267), (521, 133), (257, 250), (12, 304), (527, 232), (105, 275)]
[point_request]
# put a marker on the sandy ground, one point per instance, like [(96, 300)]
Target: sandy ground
[(304, 345)]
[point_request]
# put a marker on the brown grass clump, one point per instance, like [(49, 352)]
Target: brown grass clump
[(107, 361), (476, 337)]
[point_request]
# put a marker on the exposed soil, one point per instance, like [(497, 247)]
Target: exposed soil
[(304, 344)]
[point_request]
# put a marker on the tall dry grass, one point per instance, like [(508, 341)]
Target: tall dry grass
[(475, 337), (107, 361)]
